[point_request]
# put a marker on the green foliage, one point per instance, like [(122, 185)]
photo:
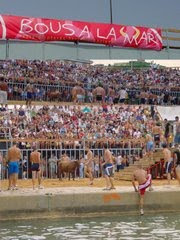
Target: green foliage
[(133, 65)]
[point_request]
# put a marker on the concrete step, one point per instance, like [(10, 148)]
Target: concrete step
[(146, 162), (125, 174), (124, 178), (132, 168)]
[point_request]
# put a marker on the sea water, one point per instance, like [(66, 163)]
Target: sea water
[(112, 228)]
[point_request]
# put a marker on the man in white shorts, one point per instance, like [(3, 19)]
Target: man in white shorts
[(177, 164)]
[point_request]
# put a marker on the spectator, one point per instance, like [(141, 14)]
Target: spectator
[(177, 131), (52, 166), (81, 168), (35, 79), (119, 164)]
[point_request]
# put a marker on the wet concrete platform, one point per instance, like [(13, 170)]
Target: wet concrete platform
[(81, 201)]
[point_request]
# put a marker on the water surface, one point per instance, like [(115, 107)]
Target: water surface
[(111, 228)]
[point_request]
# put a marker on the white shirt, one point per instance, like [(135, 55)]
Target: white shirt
[(119, 160), (122, 94)]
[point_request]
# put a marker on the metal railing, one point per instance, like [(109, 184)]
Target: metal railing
[(60, 87), (44, 86), (44, 89), (76, 50), (5, 133), (49, 170), (156, 92)]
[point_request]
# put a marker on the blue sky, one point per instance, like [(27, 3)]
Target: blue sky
[(155, 13)]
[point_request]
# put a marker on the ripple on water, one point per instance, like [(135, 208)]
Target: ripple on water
[(26, 227), (124, 228), (5, 232), (33, 237)]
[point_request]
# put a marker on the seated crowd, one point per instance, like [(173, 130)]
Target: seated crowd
[(71, 126), (150, 86)]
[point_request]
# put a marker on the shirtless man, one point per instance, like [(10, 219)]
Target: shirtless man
[(144, 181), (29, 90), (143, 97), (65, 157), (108, 168), (157, 132), (13, 157), (149, 145), (168, 162), (177, 164), (78, 94), (89, 166), (111, 95), (99, 94), (35, 160), (1, 167), (177, 131)]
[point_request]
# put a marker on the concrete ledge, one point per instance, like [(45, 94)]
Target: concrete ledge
[(63, 202)]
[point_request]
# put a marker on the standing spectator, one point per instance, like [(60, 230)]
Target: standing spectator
[(152, 111), (13, 158), (167, 132), (81, 168), (108, 168), (168, 162), (52, 166), (166, 98), (122, 95), (177, 131), (149, 145), (29, 90), (177, 164), (166, 128), (119, 163), (96, 167), (24, 167), (1, 164), (35, 160), (89, 163), (157, 132)]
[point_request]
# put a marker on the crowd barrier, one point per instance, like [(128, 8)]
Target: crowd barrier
[(71, 143), (50, 170), (157, 170), (40, 95), (3, 97), (157, 91), (45, 88)]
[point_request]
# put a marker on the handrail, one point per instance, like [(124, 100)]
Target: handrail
[(172, 30), (171, 38), (138, 140), (68, 87)]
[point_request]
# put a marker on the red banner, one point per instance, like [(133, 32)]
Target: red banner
[(42, 29)]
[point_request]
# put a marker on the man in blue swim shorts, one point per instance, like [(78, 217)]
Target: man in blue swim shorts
[(13, 157)]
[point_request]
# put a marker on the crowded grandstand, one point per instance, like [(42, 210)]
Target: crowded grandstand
[(54, 81), (65, 114), (65, 107)]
